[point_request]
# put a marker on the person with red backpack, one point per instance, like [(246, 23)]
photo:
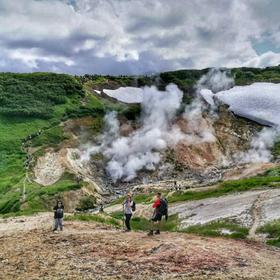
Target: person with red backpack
[(160, 206)]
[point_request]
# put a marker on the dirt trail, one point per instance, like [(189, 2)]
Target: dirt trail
[(257, 215), (25, 224), (29, 250)]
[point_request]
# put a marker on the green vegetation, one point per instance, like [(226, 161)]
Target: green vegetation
[(49, 138), (227, 188), (141, 223), (246, 75), (272, 229), (219, 228), (37, 198), (86, 203), (98, 218), (31, 107), (273, 172), (34, 95), (276, 149)]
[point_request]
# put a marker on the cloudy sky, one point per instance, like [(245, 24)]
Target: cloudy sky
[(137, 36)]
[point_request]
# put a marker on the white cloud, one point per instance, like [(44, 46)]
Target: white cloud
[(268, 58), (135, 36)]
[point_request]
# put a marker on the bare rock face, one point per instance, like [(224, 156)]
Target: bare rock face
[(196, 156), (214, 140), (49, 168), (233, 133)]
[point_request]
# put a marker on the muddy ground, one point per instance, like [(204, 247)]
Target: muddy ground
[(29, 250)]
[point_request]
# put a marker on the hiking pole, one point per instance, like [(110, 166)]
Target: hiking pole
[(123, 217)]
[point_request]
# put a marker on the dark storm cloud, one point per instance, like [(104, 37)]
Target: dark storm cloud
[(63, 46)]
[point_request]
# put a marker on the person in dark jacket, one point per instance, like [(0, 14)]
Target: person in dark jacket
[(58, 215), (157, 215)]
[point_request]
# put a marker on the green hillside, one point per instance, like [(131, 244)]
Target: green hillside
[(29, 103), (33, 105)]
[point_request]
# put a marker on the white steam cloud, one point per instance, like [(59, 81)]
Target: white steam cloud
[(260, 147), (198, 129), (141, 149), (216, 80)]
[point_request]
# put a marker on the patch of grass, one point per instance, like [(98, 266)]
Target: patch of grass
[(274, 242), (272, 229), (98, 218), (214, 229), (274, 172), (38, 198), (86, 203), (141, 223), (226, 188), (50, 137)]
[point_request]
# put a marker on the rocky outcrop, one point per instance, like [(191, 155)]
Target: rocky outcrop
[(49, 168)]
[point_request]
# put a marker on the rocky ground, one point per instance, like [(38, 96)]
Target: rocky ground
[(29, 250)]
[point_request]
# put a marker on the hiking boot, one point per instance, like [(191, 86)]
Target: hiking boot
[(157, 232), (150, 233)]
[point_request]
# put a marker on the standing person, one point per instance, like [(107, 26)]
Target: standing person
[(175, 185), (58, 215), (129, 207), (160, 206)]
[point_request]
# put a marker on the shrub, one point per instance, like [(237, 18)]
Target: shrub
[(86, 203)]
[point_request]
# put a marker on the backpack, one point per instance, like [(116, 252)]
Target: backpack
[(133, 206), (163, 209)]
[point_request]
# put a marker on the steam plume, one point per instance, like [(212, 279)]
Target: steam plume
[(141, 149)]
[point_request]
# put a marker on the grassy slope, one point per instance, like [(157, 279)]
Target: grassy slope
[(16, 127)]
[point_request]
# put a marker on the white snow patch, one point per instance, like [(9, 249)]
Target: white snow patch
[(208, 96), (126, 94), (97, 91), (259, 102)]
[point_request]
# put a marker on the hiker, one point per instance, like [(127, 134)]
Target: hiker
[(58, 215), (160, 206), (129, 207), (101, 209)]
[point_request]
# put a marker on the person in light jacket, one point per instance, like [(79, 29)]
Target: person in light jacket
[(128, 208)]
